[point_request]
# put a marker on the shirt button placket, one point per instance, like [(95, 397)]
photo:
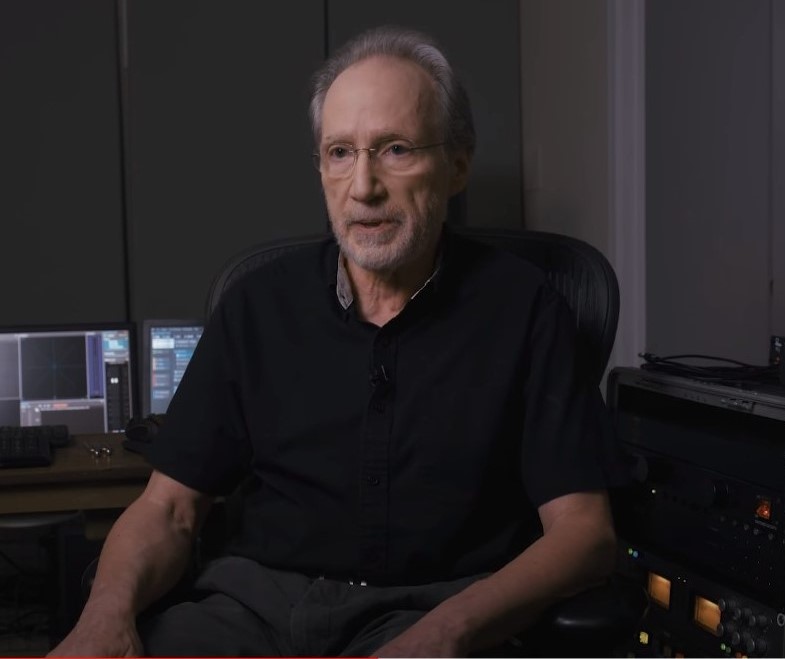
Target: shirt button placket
[(374, 501)]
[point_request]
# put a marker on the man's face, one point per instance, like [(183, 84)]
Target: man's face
[(385, 219)]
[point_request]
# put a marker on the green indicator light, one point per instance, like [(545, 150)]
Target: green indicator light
[(722, 646), (629, 550)]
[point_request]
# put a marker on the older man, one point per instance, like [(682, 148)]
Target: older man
[(434, 508)]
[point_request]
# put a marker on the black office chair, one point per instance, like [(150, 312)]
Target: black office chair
[(601, 619)]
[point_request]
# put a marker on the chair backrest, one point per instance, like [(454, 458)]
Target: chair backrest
[(248, 260), (577, 270), (581, 273)]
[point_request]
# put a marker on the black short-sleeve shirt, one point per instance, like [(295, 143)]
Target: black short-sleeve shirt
[(410, 453)]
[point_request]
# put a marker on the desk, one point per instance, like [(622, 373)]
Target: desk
[(76, 480)]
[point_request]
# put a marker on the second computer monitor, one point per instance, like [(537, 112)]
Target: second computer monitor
[(167, 347)]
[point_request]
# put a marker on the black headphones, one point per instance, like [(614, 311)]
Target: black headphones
[(144, 429)]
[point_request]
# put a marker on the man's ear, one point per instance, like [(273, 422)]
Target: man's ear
[(460, 163)]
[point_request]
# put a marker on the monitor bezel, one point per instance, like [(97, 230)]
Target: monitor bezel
[(145, 362)]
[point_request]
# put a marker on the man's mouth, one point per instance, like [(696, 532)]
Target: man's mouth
[(373, 223)]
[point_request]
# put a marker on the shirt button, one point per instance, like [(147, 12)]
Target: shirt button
[(384, 341), (372, 480)]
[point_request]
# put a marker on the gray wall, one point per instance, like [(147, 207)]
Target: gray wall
[(778, 169), (709, 186), (218, 141), (60, 172), (565, 117), (715, 159)]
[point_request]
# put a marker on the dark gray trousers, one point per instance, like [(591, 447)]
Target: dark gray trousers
[(246, 609)]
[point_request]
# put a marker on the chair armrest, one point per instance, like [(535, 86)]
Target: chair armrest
[(590, 624), (613, 607)]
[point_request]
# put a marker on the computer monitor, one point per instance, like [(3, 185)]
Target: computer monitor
[(167, 347), (77, 375)]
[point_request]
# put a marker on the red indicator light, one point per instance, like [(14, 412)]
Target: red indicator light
[(763, 509)]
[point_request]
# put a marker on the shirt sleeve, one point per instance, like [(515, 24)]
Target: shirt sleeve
[(569, 443)]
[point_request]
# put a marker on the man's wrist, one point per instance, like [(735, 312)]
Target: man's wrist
[(455, 620)]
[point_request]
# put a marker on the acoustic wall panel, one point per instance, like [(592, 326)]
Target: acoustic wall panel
[(60, 171), (219, 143)]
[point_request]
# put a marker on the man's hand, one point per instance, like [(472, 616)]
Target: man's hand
[(100, 635)]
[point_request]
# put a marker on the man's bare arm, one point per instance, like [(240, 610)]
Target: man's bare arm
[(145, 554), (576, 550)]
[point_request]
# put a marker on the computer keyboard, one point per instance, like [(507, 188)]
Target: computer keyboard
[(30, 446)]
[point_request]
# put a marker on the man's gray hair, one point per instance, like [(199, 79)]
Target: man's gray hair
[(413, 46)]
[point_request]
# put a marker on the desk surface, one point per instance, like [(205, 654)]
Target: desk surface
[(76, 479)]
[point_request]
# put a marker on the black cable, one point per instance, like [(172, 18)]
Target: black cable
[(669, 358), (735, 371)]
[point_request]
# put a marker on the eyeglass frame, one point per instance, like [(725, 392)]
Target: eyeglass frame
[(316, 157)]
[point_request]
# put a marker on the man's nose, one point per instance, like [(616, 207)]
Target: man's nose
[(365, 183)]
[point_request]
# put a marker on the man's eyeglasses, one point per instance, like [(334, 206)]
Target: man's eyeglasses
[(395, 157)]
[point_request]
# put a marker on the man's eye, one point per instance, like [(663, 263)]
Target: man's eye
[(338, 153), (397, 149)]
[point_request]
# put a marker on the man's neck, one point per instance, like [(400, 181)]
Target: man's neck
[(381, 295)]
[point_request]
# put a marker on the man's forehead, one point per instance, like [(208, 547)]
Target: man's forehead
[(385, 96)]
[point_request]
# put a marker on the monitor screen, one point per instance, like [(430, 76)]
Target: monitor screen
[(167, 346), (77, 375)]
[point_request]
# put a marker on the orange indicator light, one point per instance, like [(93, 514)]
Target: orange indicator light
[(707, 615), (763, 509), (660, 590)]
